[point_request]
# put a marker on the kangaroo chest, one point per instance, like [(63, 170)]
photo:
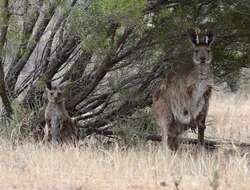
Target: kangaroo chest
[(56, 111), (188, 103)]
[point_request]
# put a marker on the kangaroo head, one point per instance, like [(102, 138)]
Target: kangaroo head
[(202, 55), (55, 94)]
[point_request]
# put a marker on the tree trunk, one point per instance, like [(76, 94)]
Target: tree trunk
[(4, 20)]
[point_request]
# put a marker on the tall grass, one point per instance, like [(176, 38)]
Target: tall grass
[(32, 166), (9, 127)]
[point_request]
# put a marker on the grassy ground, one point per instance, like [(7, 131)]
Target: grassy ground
[(32, 166)]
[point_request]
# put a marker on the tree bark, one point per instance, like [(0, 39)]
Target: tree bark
[(38, 30), (4, 17)]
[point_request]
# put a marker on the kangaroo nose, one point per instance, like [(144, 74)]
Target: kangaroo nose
[(202, 59)]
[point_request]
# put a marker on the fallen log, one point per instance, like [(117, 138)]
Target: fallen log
[(208, 143)]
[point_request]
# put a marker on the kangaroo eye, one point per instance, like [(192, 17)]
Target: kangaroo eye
[(196, 51), (208, 51)]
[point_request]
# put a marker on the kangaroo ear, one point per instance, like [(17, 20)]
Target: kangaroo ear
[(209, 39), (48, 85), (193, 37)]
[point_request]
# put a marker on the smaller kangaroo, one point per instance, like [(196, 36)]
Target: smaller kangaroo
[(59, 128)]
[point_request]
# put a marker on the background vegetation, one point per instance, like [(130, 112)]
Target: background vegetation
[(110, 54)]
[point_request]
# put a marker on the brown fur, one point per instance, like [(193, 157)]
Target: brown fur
[(66, 130), (181, 101)]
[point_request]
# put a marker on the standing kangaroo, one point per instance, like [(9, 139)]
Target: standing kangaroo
[(59, 125), (182, 99)]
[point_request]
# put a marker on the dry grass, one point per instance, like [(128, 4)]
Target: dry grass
[(32, 166), (230, 115)]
